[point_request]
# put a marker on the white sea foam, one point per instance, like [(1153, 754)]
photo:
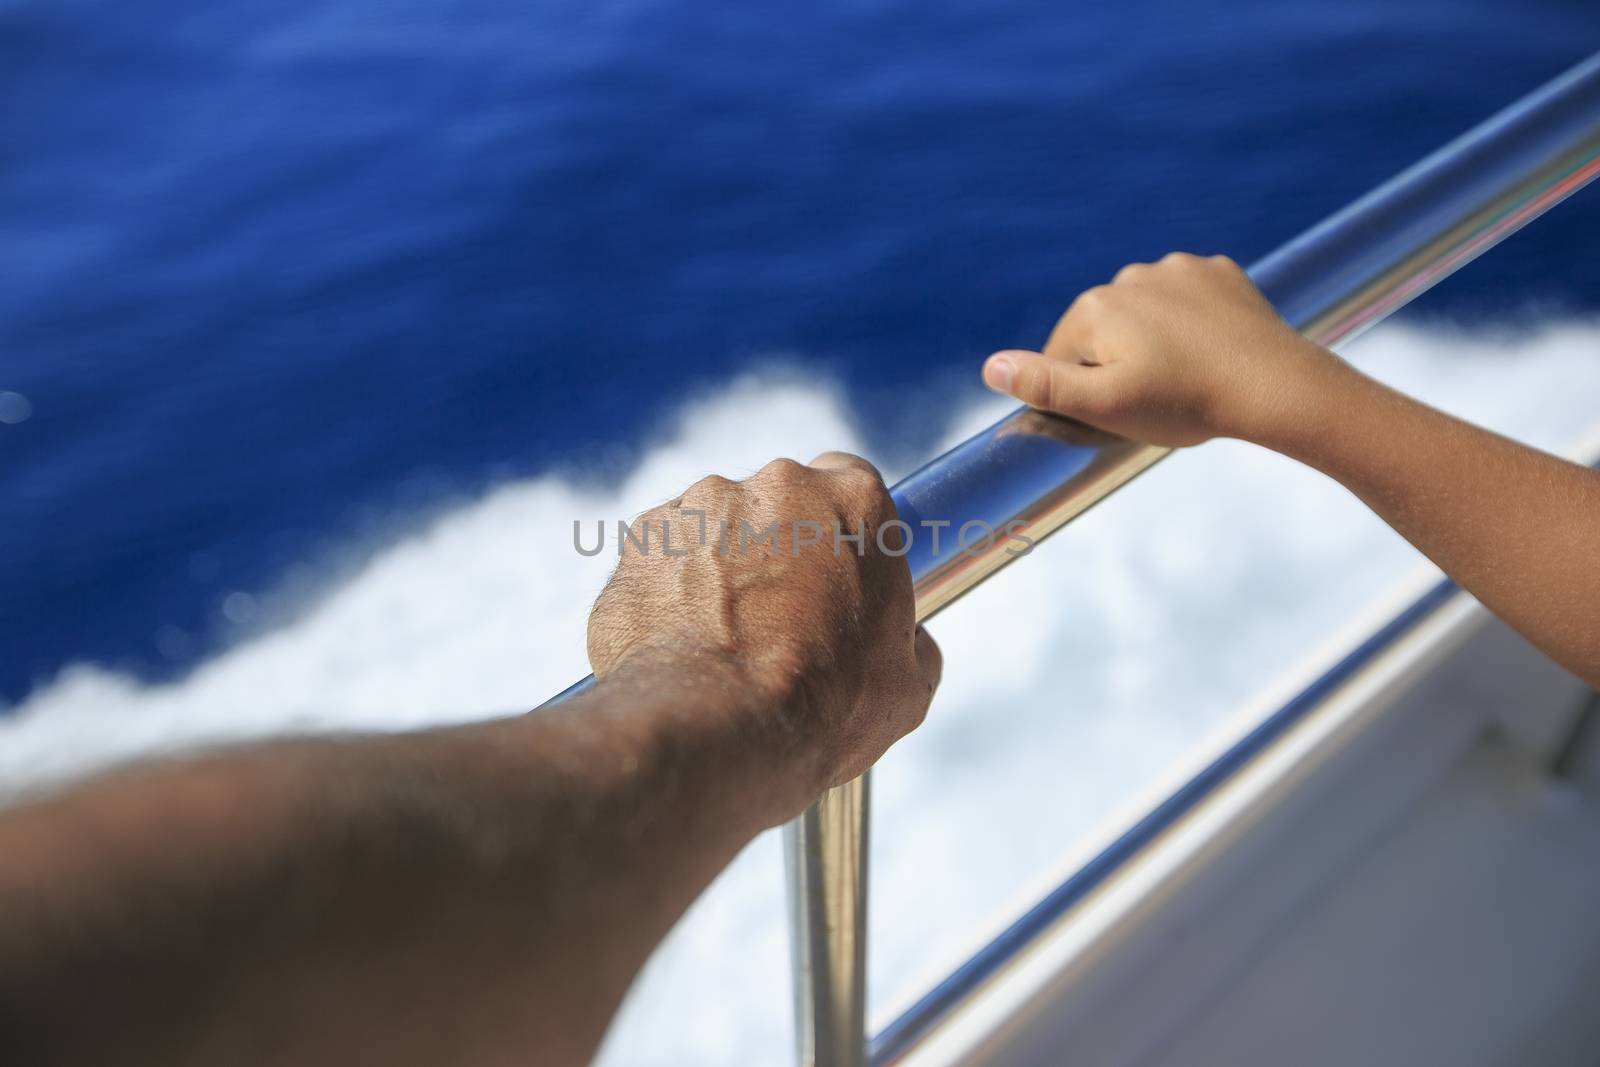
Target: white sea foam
[(1074, 682)]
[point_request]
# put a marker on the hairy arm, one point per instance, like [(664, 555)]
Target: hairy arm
[(1186, 349), (482, 894)]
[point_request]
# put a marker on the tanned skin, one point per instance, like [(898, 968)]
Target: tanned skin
[(1184, 350), (483, 894)]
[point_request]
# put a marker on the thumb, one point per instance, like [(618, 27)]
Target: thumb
[(1071, 389)]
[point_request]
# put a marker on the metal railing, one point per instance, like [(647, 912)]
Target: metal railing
[(1331, 283)]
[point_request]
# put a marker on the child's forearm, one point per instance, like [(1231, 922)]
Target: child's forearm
[(1516, 527), (1180, 351)]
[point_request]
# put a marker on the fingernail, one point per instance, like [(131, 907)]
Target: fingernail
[(999, 371)]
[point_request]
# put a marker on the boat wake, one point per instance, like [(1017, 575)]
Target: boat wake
[(1075, 683)]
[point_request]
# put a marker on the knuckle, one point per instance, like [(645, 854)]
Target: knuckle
[(852, 478), (1088, 309), (782, 469), (1092, 299), (840, 462), (1228, 267), (711, 487), (1132, 272)]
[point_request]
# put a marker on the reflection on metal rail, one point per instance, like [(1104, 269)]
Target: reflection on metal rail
[(1331, 283)]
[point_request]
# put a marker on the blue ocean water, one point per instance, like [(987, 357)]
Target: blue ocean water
[(273, 274)]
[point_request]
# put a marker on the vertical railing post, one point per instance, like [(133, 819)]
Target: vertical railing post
[(825, 851)]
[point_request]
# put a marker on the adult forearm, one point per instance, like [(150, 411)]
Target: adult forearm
[(483, 894), (1516, 527), (470, 895)]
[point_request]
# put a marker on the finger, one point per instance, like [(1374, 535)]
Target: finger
[(930, 661), (1056, 385)]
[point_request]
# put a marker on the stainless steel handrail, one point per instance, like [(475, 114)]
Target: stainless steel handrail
[(1331, 283)]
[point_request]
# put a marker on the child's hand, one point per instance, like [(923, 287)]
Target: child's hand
[(1171, 353)]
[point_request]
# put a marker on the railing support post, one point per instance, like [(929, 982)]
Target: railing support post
[(825, 851)]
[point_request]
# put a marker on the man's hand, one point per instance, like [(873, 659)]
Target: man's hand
[(300, 901), (1170, 353), (822, 636)]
